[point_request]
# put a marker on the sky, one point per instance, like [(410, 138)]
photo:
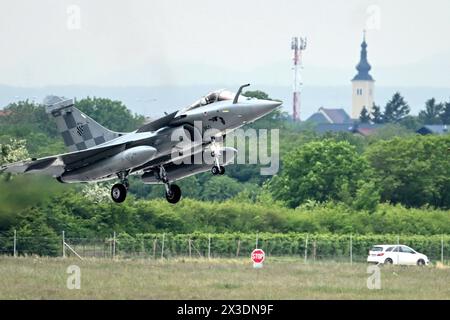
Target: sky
[(202, 42)]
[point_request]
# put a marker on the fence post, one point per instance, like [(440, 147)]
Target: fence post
[(110, 246), (190, 250), (256, 246), (314, 250), (351, 250), (238, 247), (209, 246), (15, 243), (154, 248), (63, 245), (306, 248), (398, 250), (114, 246), (162, 246), (442, 249)]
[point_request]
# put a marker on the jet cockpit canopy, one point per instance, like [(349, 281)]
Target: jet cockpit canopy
[(215, 96)]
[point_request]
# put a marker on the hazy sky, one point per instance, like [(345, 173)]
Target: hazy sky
[(179, 42)]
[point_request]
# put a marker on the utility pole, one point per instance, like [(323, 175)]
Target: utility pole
[(114, 246), (298, 45), (15, 243)]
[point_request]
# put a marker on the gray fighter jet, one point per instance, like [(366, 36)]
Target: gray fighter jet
[(99, 154)]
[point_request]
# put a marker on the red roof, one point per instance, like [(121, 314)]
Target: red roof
[(366, 131)]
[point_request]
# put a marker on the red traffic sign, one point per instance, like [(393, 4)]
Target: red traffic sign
[(258, 256)]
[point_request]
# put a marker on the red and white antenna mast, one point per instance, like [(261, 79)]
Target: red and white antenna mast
[(297, 45)]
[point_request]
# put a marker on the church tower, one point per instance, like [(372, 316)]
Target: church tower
[(362, 84)]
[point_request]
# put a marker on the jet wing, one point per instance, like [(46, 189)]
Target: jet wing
[(57, 164), (158, 124)]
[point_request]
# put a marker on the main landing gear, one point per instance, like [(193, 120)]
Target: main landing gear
[(119, 190), (215, 152), (173, 192)]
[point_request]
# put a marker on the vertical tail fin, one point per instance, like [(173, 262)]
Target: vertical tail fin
[(78, 130)]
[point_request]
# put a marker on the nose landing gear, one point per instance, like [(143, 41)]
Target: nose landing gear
[(218, 170), (215, 152)]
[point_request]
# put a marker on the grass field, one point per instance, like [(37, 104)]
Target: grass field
[(281, 278)]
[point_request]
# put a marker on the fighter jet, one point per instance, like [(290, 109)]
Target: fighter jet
[(99, 154)]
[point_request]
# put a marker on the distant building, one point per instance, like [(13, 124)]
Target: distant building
[(362, 84), (433, 129), (334, 116)]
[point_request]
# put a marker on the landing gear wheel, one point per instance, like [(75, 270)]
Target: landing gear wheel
[(221, 170), (173, 195), (118, 193), (215, 170)]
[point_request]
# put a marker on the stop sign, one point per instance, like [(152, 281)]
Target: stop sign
[(258, 256)]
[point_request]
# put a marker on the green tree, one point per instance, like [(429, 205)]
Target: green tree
[(396, 109), (364, 117), (221, 188), (112, 114), (377, 115), (388, 132), (36, 236), (445, 114), (412, 123), (414, 171), (25, 117), (29, 121), (258, 94), (12, 150), (367, 197), (320, 170), (432, 112)]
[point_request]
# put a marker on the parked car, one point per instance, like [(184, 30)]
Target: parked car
[(396, 254)]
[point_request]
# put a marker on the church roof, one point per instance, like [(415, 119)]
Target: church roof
[(335, 115), (363, 67)]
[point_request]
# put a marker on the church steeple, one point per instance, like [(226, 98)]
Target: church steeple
[(362, 84), (363, 66)]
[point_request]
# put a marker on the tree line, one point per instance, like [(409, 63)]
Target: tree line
[(397, 110), (395, 181)]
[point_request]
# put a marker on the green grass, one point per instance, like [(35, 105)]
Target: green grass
[(281, 278)]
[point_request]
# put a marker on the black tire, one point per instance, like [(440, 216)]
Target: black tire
[(118, 193), (215, 170), (174, 195), (420, 262), (221, 170), (388, 261)]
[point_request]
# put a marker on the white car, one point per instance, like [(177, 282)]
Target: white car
[(396, 254)]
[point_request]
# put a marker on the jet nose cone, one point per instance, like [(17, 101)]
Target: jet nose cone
[(266, 106)]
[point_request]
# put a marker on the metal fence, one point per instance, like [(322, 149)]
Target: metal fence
[(309, 247)]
